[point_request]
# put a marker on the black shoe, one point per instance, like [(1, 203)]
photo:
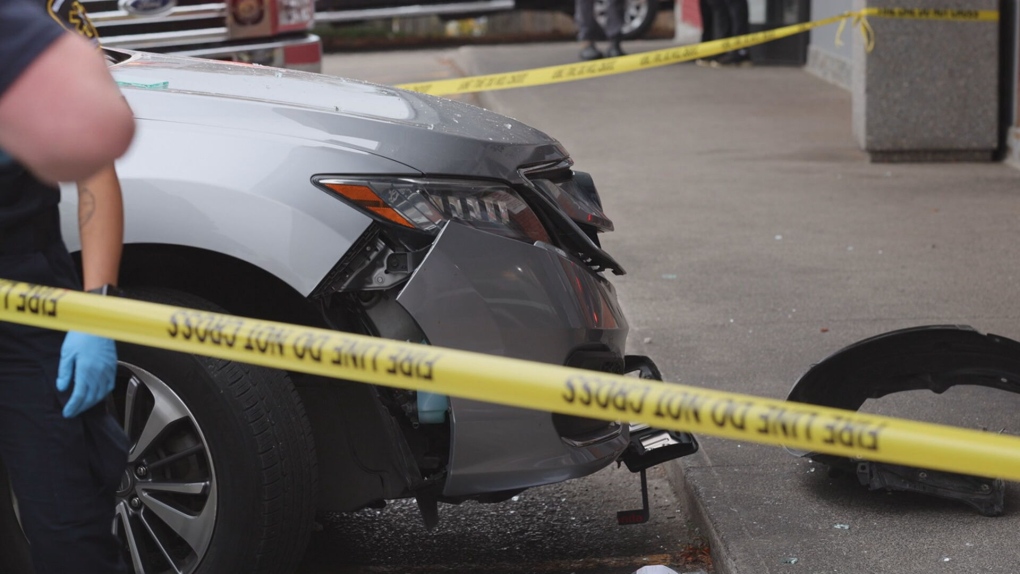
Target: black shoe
[(738, 59), (590, 52), (615, 51)]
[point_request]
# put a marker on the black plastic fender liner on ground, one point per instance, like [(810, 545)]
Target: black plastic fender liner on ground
[(936, 358), (933, 357)]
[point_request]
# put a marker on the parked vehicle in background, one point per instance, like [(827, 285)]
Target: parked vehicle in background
[(638, 18), (268, 32), (638, 15)]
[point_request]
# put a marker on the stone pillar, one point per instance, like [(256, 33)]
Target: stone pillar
[(929, 89)]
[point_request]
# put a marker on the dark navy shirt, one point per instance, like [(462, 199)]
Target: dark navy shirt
[(26, 30)]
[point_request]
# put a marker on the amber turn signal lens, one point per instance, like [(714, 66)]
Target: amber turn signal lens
[(365, 198)]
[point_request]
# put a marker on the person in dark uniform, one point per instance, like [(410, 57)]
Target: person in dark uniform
[(61, 119), (724, 19), (588, 30)]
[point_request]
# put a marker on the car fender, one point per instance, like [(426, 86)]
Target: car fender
[(247, 195)]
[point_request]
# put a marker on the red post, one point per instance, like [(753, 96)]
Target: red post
[(690, 14)]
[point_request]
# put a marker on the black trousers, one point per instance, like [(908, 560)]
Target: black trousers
[(588, 29), (724, 18), (65, 472)]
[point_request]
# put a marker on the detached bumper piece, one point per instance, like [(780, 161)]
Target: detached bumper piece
[(935, 358), (986, 495), (649, 446)]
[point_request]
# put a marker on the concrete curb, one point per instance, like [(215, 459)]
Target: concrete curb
[(721, 562)]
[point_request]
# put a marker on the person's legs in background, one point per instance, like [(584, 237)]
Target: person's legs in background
[(739, 17), (587, 29), (739, 25), (707, 20), (614, 27), (713, 25)]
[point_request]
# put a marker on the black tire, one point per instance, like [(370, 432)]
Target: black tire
[(247, 477), (638, 16)]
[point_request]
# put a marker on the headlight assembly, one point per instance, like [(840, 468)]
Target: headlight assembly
[(425, 204)]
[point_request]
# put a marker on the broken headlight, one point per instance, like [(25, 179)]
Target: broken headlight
[(425, 204)]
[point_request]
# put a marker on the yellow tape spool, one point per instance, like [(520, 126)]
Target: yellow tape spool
[(515, 382)]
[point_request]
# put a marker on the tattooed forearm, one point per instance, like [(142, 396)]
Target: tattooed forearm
[(86, 205)]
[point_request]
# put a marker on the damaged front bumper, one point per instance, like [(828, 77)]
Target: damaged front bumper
[(649, 446), (480, 292)]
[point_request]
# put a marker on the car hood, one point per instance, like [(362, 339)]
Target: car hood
[(428, 134)]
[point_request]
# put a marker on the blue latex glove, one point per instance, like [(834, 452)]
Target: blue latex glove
[(92, 361)]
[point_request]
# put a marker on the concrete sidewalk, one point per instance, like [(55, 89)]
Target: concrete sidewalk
[(758, 240)]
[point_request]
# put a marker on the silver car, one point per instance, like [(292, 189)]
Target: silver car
[(308, 199)]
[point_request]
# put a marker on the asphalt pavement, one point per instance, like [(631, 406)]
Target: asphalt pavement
[(759, 239)]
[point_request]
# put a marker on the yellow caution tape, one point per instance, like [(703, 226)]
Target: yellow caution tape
[(867, 32), (964, 15), (516, 382), (665, 57)]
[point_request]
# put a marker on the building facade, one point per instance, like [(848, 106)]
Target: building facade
[(966, 74)]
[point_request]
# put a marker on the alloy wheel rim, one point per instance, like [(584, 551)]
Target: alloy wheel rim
[(166, 502), (633, 12)]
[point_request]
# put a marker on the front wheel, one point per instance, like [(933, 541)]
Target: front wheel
[(221, 472), (638, 16)]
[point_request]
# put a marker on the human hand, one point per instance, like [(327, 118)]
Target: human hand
[(92, 361)]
